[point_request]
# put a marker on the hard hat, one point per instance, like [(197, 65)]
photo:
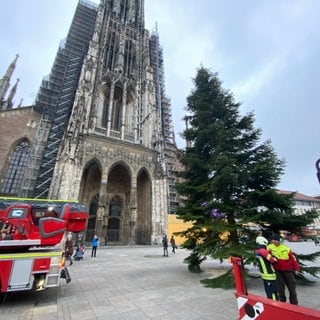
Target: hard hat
[(262, 241)]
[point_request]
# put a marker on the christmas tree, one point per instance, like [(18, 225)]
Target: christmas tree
[(229, 179)]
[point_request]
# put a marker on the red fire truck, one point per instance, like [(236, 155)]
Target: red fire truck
[(31, 230), (251, 306)]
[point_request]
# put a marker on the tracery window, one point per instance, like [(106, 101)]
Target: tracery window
[(116, 116), (129, 58), (117, 109), (16, 168), (105, 112), (124, 10), (110, 52)]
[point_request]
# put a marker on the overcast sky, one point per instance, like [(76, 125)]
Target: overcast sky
[(266, 52)]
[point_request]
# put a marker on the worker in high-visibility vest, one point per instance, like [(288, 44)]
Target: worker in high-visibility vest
[(286, 267), (267, 272)]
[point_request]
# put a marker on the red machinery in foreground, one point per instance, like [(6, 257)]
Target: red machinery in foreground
[(256, 307), (30, 230)]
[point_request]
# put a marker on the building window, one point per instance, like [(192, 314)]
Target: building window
[(18, 161), (115, 208)]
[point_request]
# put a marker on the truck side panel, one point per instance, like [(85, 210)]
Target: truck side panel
[(29, 270), (21, 276), (41, 265)]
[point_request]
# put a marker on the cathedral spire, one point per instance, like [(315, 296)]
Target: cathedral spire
[(5, 81), (8, 104), (11, 95)]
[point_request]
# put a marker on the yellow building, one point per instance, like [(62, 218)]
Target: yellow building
[(177, 225)]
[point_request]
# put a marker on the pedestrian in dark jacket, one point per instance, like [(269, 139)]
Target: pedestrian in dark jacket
[(68, 248), (286, 267), (267, 272), (173, 244), (165, 245)]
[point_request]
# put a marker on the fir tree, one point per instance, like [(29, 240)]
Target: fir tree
[(230, 178)]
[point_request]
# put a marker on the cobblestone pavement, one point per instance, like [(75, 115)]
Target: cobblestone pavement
[(139, 283)]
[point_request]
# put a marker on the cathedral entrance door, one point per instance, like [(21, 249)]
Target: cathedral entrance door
[(113, 229)]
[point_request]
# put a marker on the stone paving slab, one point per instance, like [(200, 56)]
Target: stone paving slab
[(137, 283)]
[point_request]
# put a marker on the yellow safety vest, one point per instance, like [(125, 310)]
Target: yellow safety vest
[(280, 252), (266, 269)]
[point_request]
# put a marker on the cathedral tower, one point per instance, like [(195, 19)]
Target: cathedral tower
[(113, 152)]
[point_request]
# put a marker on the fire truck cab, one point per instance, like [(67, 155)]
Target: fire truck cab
[(31, 230)]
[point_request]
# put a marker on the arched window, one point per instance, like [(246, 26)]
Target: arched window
[(110, 50), (124, 10), (117, 109), (116, 116), (105, 110), (129, 58), (18, 161)]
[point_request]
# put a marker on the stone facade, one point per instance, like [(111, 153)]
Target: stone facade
[(122, 183)]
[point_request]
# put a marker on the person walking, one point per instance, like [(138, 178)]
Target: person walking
[(165, 245), (173, 244), (94, 244), (267, 272), (286, 267), (68, 248)]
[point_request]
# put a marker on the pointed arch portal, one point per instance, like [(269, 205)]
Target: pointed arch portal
[(118, 194), (120, 208), (144, 213), (90, 187)]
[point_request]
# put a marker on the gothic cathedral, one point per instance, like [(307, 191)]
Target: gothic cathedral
[(116, 147)]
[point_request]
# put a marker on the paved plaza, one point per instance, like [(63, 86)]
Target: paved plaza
[(137, 283)]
